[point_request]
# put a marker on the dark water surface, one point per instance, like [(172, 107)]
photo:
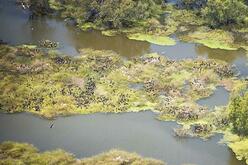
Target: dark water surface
[(92, 134), (87, 135)]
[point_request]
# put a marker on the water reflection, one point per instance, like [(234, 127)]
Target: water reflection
[(237, 57), (226, 55), (17, 28), (119, 44), (180, 51)]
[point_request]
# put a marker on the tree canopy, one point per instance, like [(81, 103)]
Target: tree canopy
[(113, 13), (225, 12), (238, 114), (218, 13)]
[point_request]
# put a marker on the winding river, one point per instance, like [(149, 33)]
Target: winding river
[(91, 134)]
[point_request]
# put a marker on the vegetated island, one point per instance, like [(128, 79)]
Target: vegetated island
[(12, 153)]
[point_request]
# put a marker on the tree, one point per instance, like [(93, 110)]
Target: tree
[(238, 114), (113, 13), (225, 12)]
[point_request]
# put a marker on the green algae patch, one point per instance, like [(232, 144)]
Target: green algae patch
[(87, 26), (159, 40), (53, 4), (216, 39), (24, 153), (110, 33)]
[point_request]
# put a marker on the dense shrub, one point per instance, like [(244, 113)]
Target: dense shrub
[(238, 114), (112, 13), (225, 12)]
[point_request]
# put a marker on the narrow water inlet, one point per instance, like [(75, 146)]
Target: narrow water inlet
[(220, 97), (87, 135)]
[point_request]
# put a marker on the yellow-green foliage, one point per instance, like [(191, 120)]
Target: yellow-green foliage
[(108, 14), (240, 148), (219, 13), (110, 33), (119, 157), (159, 40), (22, 153), (12, 153), (184, 17), (87, 26), (55, 5), (212, 38), (180, 20), (238, 113), (239, 145)]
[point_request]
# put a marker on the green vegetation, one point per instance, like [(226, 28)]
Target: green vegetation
[(147, 19), (226, 21), (109, 13), (239, 113), (240, 148), (238, 144), (119, 158), (212, 38), (220, 13), (100, 81), (236, 134), (12, 153)]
